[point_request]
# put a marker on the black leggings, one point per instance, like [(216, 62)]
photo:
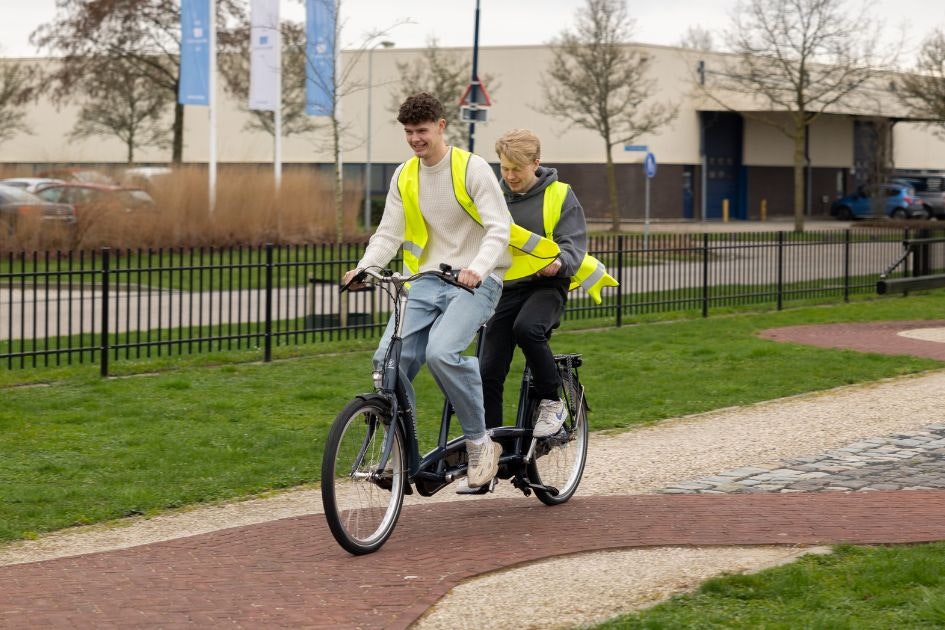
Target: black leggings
[(525, 316)]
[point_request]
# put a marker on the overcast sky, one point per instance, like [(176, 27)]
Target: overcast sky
[(502, 22)]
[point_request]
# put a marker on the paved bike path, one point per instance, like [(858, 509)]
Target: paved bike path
[(290, 573)]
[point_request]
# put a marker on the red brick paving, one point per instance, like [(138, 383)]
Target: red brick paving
[(290, 573), (881, 337)]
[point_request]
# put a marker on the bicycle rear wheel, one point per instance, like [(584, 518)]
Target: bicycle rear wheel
[(362, 503), (559, 459)]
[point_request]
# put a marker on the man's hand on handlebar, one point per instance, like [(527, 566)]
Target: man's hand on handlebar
[(469, 278), (347, 281)]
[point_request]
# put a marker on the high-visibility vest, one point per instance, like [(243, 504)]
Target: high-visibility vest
[(591, 275), (530, 252)]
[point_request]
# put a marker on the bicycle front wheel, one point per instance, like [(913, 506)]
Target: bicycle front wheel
[(362, 502), (559, 459)]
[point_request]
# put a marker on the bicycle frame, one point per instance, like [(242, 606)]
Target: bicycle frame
[(445, 463)]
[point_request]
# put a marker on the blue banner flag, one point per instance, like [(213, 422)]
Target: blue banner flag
[(320, 18), (194, 52)]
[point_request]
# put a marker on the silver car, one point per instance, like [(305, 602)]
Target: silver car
[(29, 184)]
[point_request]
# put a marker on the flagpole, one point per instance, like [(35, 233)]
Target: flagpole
[(212, 100), (277, 146)]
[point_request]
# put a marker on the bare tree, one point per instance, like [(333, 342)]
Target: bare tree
[(122, 103), (697, 38), (144, 34), (802, 57), (445, 75), (17, 87), (234, 68), (598, 82), (923, 91)]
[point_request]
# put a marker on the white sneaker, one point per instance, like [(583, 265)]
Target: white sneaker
[(483, 462), (463, 487), (551, 415)]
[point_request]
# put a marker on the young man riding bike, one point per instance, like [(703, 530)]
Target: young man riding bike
[(444, 206), (531, 306)]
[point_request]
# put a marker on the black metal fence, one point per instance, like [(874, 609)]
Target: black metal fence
[(112, 305)]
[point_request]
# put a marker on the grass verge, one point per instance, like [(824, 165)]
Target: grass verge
[(853, 588)]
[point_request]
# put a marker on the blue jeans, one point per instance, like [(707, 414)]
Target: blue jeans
[(440, 321)]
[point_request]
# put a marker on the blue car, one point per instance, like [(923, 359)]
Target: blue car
[(897, 201)]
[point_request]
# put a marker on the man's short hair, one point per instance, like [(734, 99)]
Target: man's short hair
[(519, 146), (420, 108)]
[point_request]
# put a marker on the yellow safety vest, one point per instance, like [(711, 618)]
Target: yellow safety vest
[(591, 275), (530, 252)]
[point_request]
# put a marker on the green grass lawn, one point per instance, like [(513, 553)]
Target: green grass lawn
[(855, 588)]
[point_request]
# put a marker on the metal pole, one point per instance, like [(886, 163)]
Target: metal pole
[(474, 92), (646, 216), (212, 100), (277, 141)]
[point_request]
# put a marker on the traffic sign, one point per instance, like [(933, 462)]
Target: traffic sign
[(482, 97), (636, 147), (649, 165), (473, 114)]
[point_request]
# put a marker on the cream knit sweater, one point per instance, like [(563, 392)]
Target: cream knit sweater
[(454, 237)]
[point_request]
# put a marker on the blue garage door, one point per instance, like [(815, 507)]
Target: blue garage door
[(722, 138)]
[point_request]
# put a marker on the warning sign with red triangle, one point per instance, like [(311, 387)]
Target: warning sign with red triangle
[(482, 96)]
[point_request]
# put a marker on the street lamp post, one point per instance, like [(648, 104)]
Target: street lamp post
[(367, 157)]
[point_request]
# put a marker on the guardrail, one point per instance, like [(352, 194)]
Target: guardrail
[(113, 305)]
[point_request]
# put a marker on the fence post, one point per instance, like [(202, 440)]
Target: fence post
[(780, 299), (621, 243), (267, 339), (103, 342), (847, 252), (705, 274)]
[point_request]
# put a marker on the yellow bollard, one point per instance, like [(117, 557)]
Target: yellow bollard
[(764, 209), (725, 211)]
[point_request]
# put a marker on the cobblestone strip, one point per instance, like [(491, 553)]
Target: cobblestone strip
[(901, 461)]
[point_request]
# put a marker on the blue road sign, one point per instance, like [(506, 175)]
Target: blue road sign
[(649, 165)]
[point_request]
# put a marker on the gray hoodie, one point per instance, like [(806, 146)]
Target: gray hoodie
[(571, 232)]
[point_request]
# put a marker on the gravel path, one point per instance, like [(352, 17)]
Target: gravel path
[(643, 460)]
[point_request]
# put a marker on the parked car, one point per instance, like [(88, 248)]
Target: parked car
[(79, 174), (898, 201), (929, 190), (97, 197), (16, 205), (29, 184)]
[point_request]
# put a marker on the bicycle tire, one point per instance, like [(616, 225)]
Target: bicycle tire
[(559, 460), (362, 507)]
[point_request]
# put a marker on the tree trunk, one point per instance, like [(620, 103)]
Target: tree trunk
[(799, 130), (339, 182), (612, 191), (178, 146)]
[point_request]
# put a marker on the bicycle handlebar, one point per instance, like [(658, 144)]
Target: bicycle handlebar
[(381, 275)]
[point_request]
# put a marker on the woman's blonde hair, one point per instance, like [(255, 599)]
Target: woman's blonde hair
[(519, 146)]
